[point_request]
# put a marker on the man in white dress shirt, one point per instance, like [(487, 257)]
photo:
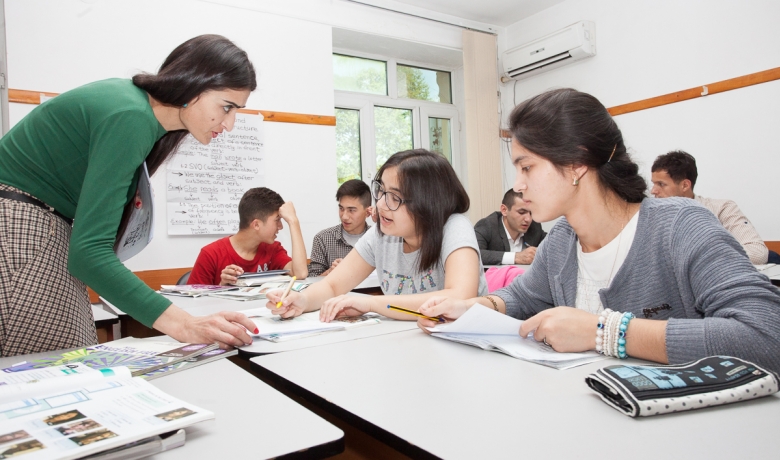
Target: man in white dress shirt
[(675, 173)]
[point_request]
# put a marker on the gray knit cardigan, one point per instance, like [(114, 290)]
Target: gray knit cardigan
[(684, 267)]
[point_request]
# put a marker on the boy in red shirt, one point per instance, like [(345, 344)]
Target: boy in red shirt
[(253, 248)]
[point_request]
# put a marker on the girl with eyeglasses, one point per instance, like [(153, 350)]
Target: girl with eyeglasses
[(620, 273), (423, 245)]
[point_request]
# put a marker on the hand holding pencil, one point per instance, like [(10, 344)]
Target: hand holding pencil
[(289, 305)]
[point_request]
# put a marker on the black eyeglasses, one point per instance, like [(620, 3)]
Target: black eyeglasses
[(392, 200)]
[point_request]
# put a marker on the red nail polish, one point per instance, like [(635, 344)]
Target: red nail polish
[(257, 331)]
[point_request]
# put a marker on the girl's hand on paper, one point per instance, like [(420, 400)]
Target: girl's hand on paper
[(567, 330), (449, 309), (292, 305), (229, 275), (345, 305)]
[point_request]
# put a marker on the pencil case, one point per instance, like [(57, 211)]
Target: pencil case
[(641, 391)]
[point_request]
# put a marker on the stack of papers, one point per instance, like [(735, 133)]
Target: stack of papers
[(490, 330), (258, 278), (258, 292), (193, 290), (276, 329)]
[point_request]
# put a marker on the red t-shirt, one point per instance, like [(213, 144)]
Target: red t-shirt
[(213, 258)]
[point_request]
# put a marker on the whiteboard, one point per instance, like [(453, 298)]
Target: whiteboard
[(205, 182)]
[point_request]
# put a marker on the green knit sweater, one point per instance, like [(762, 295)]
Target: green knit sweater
[(79, 153)]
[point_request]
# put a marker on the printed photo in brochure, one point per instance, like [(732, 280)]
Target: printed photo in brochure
[(93, 437), (175, 414), (58, 419), (78, 427), (14, 436), (20, 448)]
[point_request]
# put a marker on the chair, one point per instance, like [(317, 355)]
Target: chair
[(184, 278)]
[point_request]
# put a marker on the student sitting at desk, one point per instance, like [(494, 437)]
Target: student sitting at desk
[(422, 245), (675, 174), (254, 248), (509, 236), (668, 264), (331, 245), (68, 175)]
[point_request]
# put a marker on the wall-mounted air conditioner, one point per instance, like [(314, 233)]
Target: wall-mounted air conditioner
[(570, 44)]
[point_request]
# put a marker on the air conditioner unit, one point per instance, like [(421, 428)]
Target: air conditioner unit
[(570, 44)]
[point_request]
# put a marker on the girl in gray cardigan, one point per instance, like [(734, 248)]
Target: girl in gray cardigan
[(656, 279)]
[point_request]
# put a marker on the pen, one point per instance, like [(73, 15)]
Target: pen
[(415, 313), (286, 291)]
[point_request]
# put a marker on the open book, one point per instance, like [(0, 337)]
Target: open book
[(72, 411), (146, 358), (276, 329), (490, 330), (258, 278)]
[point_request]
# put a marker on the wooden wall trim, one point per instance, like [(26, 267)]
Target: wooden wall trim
[(691, 93), (773, 246), (23, 96), (152, 278)]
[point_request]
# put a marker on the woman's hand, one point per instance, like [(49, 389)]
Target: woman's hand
[(229, 275), (565, 329), (444, 307), (228, 328), (345, 305), (292, 305)]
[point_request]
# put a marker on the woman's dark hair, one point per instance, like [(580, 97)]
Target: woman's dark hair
[(570, 128), (434, 193), (204, 63)]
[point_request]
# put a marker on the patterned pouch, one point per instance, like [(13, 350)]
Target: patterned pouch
[(640, 391)]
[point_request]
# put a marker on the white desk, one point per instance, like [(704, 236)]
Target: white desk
[(202, 306), (433, 398), (247, 413)]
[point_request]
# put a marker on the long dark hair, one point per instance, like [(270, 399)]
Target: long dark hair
[(434, 192), (571, 128), (204, 63)]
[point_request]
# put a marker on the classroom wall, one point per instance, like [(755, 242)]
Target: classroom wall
[(647, 48), (289, 42)]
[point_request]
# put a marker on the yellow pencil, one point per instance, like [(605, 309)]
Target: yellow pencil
[(415, 313), (286, 291)]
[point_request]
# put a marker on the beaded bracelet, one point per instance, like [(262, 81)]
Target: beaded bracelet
[(621, 350), (600, 330)]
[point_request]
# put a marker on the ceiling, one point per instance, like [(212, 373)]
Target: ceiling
[(498, 12)]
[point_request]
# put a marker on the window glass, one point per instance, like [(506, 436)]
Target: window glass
[(423, 84), (393, 132), (360, 75), (440, 135), (347, 145)]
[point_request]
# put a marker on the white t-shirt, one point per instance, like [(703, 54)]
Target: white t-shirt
[(398, 272), (597, 269)]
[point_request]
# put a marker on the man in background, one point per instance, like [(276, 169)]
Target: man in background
[(334, 243), (675, 173), (509, 236)]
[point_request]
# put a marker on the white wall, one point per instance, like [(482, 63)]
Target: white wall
[(57, 45), (647, 48)]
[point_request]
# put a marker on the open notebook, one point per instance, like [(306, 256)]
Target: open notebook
[(490, 330)]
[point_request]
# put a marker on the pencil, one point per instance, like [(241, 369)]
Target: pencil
[(286, 291), (415, 313)]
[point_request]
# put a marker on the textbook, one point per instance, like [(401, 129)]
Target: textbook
[(73, 411), (193, 290), (149, 359), (276, 329), (140, 224), (258, 292), (490, 330), (259, 278)]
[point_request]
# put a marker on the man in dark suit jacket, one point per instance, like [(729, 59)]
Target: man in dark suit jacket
[(509, 236)]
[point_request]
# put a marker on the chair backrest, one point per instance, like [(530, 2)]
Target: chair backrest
[(184, 278)]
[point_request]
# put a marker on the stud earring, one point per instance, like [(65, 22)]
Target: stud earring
[(185, 106), (575, 182)]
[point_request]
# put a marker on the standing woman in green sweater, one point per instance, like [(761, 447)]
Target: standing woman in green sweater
[(68, 173)]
